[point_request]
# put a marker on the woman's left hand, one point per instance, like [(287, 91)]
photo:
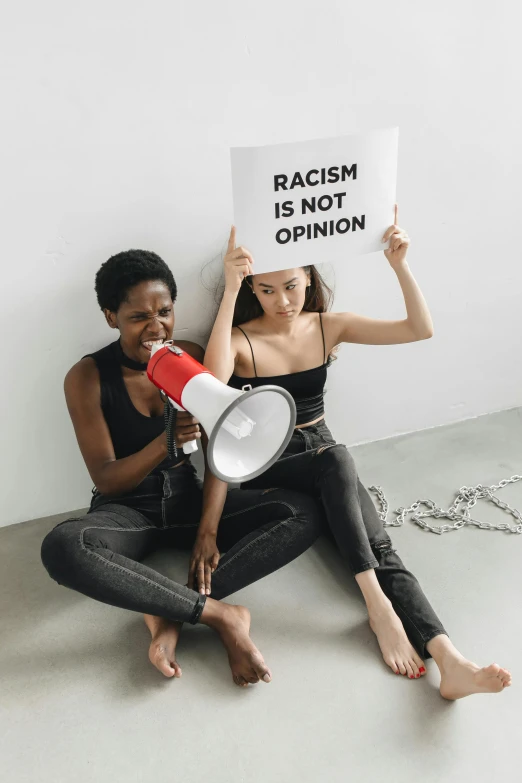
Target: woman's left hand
[(399, 243), (203, 563)]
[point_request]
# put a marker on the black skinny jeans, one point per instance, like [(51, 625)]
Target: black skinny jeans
[(314, 463), (99, 553)]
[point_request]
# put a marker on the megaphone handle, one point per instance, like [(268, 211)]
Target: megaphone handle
[(191, 445)]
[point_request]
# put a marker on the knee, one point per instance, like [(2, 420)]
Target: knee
[(337, 460), (60, 551), (382, 546)]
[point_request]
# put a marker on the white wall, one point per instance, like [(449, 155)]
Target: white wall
[(118, 117)]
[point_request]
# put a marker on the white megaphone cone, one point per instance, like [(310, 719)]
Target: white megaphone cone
[(247, 430)]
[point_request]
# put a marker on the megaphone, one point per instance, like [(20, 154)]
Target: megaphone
[(247, 430)]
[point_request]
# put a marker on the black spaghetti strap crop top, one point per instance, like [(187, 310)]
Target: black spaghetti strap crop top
[(130, 430), (306, 386)]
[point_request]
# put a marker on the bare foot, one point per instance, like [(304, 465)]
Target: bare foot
[(396, 648), (246, 662), (460, 678), (162, 650)]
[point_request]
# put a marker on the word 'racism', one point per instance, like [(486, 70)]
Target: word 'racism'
[(311, 204)]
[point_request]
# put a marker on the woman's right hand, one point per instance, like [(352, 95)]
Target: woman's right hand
[(237, 262), (187, 429)]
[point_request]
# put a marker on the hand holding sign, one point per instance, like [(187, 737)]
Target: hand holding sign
[(237, 262), (309, 202), (399, 243)]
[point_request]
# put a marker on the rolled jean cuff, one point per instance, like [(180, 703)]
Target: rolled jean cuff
[(423, 650), (364, 567), (198, 609)]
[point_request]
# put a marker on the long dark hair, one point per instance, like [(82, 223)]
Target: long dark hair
[(318, 298)]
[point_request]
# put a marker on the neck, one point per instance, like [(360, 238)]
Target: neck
[(126, 361), (281, 326)]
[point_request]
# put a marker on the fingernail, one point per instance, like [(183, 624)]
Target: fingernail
[(266, 678), (422, 669)]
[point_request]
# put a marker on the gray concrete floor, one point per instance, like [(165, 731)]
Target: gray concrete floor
[(80, 701)]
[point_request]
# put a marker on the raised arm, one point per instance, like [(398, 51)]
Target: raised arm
[(352, 328), (220, 355)]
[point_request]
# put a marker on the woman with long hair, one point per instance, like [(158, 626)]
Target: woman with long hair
[(274, 328)]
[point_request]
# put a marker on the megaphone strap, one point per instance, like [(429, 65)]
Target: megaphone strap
[(170, 415)]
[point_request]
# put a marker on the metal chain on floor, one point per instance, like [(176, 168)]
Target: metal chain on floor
[(458, 512)]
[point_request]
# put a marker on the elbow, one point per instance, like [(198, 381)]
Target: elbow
[(103, 487), (421, 331), (113, 489), (426, 334), (104, 482), (418, 331)]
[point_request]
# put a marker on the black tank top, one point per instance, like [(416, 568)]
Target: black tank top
[(306, 386), (130, 430)]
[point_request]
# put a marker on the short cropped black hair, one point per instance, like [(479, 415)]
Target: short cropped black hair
[(124, 270)]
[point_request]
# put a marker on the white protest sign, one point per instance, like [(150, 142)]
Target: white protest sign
[(314, 201)]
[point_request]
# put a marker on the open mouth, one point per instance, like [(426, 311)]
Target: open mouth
[(147, 344)]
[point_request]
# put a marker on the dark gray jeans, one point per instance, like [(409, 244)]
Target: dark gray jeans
[(99, 554), (314, 463)]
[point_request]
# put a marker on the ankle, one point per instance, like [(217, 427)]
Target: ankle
[(443, 651), (379, 606), (376, 601), (153, 623), (214, 614)]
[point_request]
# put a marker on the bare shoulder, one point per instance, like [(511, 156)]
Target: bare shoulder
[(83, 394), (330, 318), (240, 343), (193, 349), (254, 326), (82, 377), (237, 333), (236, 340), (329, 321), (332, 325)]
